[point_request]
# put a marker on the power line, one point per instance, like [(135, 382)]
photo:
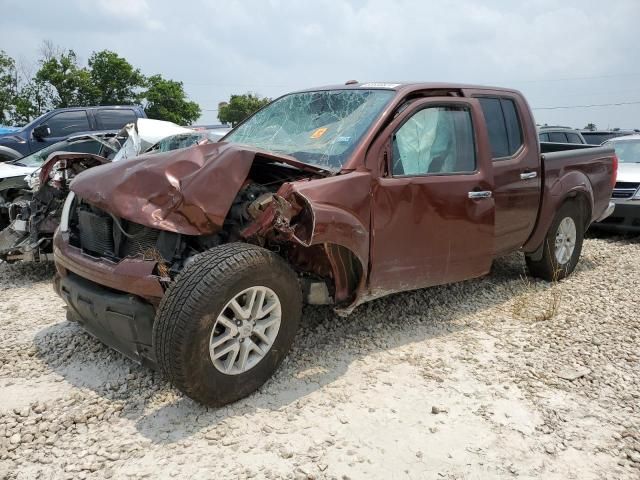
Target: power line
[(588, 106), (585, 77)]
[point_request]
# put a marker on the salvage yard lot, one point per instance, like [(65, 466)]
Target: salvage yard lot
[(472, 381)]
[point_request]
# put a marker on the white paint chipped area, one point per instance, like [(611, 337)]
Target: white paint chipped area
[(461, 382)]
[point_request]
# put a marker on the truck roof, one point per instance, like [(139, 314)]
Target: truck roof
[(407, 86)]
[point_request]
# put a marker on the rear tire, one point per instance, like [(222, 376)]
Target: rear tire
[(562, 245), (198, 319)]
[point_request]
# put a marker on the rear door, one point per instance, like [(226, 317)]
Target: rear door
[(432, 211), (516, 167)]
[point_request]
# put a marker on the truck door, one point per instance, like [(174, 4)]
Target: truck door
[(433, 207), (516, 168)]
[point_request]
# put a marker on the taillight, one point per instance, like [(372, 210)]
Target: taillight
[(614, 173)]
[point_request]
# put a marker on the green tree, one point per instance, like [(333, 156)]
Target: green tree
[(72, 84), (166, 100), (33, 99), (8, 85), (240, 107), (115, 79)]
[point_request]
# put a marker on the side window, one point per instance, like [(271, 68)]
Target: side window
[(115, 119), (496, 127), (64, 124), (503, 125), (544, 137), (435, 140), (514, 130), (574, 138), (558, 137)]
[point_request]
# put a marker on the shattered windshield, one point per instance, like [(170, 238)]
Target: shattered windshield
[(320, 128)]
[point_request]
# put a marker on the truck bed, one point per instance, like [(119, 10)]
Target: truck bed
[(586, 167)]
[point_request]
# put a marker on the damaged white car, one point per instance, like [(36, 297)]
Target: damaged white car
[(33, 189)]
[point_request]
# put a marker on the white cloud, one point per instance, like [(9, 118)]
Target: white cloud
[(270, 47)]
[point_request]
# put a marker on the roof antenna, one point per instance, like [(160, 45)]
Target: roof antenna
[(351, 82)]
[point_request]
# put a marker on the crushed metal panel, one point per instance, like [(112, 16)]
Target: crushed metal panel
[(189, 191)]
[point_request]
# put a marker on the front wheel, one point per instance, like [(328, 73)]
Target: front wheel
[(562, 245), (227, 322)]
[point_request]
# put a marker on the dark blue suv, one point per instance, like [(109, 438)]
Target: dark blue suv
[(57, 125)]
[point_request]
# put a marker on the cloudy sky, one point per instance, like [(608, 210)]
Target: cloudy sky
[(559, 53)]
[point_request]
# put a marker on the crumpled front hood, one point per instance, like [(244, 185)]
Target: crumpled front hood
[(189, 191)]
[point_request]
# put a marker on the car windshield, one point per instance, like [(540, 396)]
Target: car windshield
[(182, 140), (84, 145), (627, 151), (321, 128), (34, 121)]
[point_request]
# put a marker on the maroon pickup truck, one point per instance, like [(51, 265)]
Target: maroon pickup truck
[(198, 261)]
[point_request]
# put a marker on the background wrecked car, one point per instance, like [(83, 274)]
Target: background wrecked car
[(32, 204)]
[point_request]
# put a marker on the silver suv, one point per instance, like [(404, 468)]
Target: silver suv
[(626, 194)]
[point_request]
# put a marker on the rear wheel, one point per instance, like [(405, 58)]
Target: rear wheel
[(562, 245), (227, 322)]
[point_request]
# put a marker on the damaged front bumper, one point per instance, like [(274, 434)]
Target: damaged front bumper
[(115, 302), (122, 321), (131, 275)]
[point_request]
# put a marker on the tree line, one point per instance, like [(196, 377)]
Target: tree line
[(61, 80)]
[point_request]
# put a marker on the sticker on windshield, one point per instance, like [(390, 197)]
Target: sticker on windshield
[(379, 85), (318, 133)]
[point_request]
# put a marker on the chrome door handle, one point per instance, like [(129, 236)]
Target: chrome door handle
[(485, 194), (528, 175)]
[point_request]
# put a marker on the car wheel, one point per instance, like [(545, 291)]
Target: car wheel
[(562, 245), (227, 322)]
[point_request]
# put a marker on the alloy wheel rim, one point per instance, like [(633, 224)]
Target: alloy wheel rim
[(245, 330), (565, 240)]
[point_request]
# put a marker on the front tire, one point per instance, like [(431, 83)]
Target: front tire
[(227, 322), (562, 245)]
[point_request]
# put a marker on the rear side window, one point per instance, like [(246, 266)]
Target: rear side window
[(503, 125), (64, 124), (115, 119), (544, 137), (558, 137), (573, 137)]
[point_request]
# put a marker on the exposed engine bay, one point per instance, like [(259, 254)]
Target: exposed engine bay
[(103, 234)]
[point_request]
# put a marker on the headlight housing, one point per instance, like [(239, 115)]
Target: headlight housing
[(66, 212), (636, 196)]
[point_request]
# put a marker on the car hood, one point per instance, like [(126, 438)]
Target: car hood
[(628, 172), (188, 191), (9, 170)]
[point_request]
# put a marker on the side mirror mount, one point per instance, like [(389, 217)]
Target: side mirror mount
[(41, 131)]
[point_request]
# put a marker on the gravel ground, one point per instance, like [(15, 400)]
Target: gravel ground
[(500, 377)]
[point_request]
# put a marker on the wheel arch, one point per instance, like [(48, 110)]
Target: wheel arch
[(573, 185)]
